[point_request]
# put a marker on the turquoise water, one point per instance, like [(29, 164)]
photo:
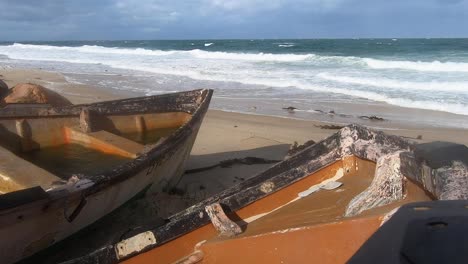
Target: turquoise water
[(322, 74), (419, 49)]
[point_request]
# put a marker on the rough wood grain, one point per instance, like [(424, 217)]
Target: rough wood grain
[(386, 187), (225, 226), (25, 133), (86, 124)]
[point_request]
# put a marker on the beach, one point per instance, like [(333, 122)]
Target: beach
[(229, 135), (249, 143)]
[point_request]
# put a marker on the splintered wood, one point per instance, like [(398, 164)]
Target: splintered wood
[(224, 225)]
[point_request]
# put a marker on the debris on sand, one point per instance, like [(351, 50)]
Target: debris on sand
[(329, 126), (290, 109), (230, 162), (373, 118)]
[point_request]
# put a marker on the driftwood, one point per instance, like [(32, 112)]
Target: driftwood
[(230, 162), (329, 126), (289, 108), (373, 118)]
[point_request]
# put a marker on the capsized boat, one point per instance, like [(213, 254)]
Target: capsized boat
[(322, 205), (63, 168)]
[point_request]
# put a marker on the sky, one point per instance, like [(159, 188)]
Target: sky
[(230, 19)]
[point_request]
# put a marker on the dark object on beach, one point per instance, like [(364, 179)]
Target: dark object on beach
[(3, 89), (331, 112), (28, 93), (290, 109), (230, 162), (419, 137), (289, 210), (296, 148), (63, 168), (329, 126), (373, 118), (319, 111)]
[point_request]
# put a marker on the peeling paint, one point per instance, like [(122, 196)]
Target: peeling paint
[(267, 187), (135, 244)]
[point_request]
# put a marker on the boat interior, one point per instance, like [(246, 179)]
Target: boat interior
[(313, 225), (44, 151)]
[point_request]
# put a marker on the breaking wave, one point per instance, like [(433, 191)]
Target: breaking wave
[(285, 71), (398, 84), (434, 66)]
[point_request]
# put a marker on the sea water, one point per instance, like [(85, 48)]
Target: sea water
[(74, 159), (352, 77)]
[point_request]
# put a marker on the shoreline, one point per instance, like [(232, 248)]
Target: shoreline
[(79, 93), (242, 97)]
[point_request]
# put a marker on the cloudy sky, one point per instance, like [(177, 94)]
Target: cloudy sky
[(214, 19)]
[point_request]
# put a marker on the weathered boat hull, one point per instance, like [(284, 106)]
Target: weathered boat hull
[(263, 220), (40, 219)]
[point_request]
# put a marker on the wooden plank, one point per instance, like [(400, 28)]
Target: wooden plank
[(17, 173), (105, 141)]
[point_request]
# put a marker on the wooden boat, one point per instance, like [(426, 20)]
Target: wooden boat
[(321, 205), (63, 168)]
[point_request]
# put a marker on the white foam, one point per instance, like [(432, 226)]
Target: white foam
[(265, 69), (398, 84), (434, 66), (28, 51), (218, 55), (208, 44)]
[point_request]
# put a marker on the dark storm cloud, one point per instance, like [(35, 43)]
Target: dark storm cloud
[(153, 19)]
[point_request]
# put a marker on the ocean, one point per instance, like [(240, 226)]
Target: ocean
[(392, 78)]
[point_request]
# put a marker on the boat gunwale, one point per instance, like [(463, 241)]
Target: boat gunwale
[(124, 171)]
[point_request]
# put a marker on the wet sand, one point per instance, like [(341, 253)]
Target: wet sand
[(223, 136)]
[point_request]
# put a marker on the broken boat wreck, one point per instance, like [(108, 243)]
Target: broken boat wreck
[(359, 196), (63, 168)]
